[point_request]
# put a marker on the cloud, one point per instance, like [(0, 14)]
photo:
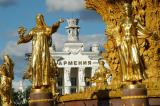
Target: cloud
[(72, 6), (12, 48), (5, 3), (88, 40), (59, 40), (65, 5), (16, 84)]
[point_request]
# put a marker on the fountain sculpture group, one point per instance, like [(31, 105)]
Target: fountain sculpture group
[(133, 54)]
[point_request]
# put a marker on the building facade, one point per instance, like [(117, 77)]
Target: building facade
[(75, 64)]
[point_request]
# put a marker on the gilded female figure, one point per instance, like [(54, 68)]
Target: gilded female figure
[(7, 75), (130, 30), (41, 41), (54, 73), (101, 75)]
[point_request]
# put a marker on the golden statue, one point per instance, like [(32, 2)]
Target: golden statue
[(129, 32), (54, 73), (101, 75), (7, 75), (41, 41)]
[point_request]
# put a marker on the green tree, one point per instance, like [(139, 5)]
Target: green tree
[(21, 98)]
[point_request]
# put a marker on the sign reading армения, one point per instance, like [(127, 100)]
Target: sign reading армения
[(74, 63)]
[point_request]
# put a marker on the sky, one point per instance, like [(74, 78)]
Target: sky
[(16, 13)]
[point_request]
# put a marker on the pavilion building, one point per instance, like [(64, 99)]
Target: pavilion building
[(75, 64)]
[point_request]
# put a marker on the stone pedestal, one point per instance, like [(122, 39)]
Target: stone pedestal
[(134, 95), (41, 97)]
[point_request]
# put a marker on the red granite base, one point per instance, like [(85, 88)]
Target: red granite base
[(40, 97), (134, 95)]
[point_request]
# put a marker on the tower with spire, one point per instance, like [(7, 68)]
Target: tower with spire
[(73, 30), (73, 44)]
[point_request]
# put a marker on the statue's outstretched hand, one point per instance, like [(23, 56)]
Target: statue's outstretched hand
[(21, 32), (61, 20)]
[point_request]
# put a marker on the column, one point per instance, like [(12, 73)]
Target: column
[(81, 79), (67, 82), (92, 74)]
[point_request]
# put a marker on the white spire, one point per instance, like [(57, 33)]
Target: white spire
[(73, 30), (20, 88)]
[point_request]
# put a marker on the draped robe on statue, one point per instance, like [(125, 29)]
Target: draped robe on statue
[(40, 60), (131, 64)]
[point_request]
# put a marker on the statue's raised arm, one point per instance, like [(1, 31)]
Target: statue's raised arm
[(22, 38), (56, 25)]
